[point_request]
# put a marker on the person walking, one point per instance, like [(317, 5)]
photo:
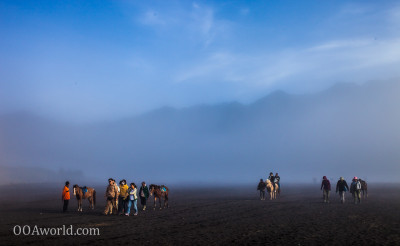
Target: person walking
[(65, 196), (111, 193), (342, 187), (326, 187), (122, 198), (261, 187), (132, 192), (144, 194), (355, 189)]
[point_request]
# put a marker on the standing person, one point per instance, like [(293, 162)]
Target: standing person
[(326, 186), (261, 187), (355, 189), (111, 193), (122, 198), (144, 194), (65, 196), (278, 181), (132, 191), (115, 200), (342, 187)]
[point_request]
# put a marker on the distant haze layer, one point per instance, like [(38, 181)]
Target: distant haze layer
[(348, 130)]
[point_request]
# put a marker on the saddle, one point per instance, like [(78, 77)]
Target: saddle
[(84, 190)]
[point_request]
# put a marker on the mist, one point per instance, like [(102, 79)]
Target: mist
[(348, 130)]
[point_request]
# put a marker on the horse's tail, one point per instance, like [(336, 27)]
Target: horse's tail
[(94, 197)]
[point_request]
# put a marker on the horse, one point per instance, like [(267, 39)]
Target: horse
[(272, 189), (364, 188), (160, 192), (90, 194)]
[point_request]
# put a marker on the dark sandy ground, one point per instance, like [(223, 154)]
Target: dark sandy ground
[(211, 216)]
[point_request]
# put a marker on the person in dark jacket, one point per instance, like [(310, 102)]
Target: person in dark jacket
[(271, 178), (278, 180), (326, 187), (261, 187), (355, 189), (342, 187), (144, 194)]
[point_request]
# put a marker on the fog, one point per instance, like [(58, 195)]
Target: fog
[(348, 130)]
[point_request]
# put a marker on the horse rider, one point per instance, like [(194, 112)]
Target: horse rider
[(355, 189), (272, 178), (326, 186), (261, 187), (342, 187), (65, 196), (111, 194)]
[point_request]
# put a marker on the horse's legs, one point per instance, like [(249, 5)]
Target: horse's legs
[(155, 199), (160, 202), (90, 200)]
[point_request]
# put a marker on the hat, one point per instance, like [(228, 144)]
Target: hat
[(324, 177), (341, 178), (355, 178)]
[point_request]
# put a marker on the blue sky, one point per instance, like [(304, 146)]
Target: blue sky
[(85, 61)]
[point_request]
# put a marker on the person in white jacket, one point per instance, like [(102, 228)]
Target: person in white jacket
[(132, 191)]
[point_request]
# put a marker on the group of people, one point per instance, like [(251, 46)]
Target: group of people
[(342, 188), (262, 186), (121, 198)]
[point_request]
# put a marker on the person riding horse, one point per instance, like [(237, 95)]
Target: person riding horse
[(271, 177)]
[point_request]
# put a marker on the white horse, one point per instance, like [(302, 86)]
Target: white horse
[(272, 189)]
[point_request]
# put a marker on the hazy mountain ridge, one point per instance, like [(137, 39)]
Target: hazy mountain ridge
[(347, 129)]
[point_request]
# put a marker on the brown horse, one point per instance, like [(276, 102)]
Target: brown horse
[(160, 192), (364, 188), (272, 189), (90, 194)]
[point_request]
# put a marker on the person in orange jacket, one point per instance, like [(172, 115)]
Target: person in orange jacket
[(65, 196)]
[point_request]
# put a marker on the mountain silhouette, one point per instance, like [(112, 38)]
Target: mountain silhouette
[(347, 130)]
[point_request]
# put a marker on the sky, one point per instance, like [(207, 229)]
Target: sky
[(86, 61)]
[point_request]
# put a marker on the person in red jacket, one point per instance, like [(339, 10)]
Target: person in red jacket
[(326, 186), (65, 196)]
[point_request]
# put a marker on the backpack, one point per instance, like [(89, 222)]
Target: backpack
[(358, 185)]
